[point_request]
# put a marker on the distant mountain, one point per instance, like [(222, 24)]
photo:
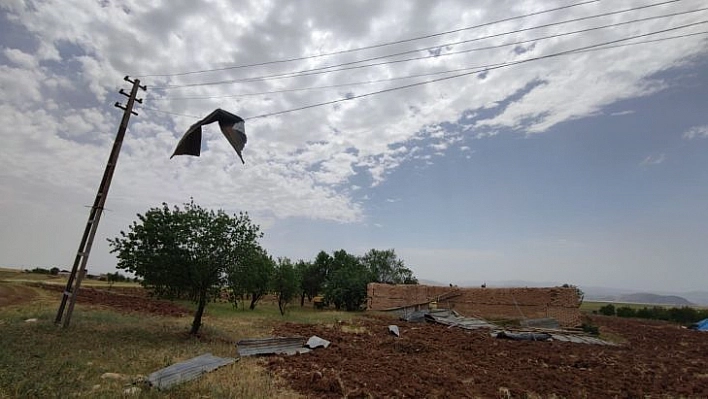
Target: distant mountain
[(654, 299), (429, 282)]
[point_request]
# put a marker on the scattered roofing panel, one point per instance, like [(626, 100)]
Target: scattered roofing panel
[(269, 346), (554, 336), (454, 319), (524, 336), (580, 339), (393, 329), (187, 370)]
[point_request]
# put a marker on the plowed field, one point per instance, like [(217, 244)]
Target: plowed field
[(364, 360), (124, 302)]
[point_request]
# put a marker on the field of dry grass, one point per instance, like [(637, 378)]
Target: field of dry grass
[(41, 360)]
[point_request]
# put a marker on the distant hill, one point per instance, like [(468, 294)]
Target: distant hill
[(654, 299)]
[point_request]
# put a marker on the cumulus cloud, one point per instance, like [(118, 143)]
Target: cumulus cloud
[(68, 63)]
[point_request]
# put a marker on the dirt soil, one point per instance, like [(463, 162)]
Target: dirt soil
[(13, 294), (364, 360), (123, 302)]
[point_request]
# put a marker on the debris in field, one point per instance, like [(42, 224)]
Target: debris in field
[(271, 346), (454, 319), (393, 329), (554, 335), (700, 326), (114, 376), (316, 342), (523, 336), (541, 323), (32, 320), (279, 345), (187, 370)]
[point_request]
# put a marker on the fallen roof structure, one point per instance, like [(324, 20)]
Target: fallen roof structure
[(187, 370), (449, 318)]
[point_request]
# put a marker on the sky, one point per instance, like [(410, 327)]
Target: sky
[(554, 141)]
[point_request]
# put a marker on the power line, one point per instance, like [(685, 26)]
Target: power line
[(595, 47), (385, 44), (329, 68), (446, 54)]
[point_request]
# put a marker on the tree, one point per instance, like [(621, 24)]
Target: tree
[(251, 275), (54, 271), (386, 267), (607, 310), (346, 282), (311, 280), (286, 283), (185, 252)]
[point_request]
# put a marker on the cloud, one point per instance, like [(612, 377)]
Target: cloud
[(696, 132), (67, 61), (653, 160), (622, 113)]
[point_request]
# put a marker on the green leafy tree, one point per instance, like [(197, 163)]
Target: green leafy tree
[(346, 282), (251, 275), (607, 310), (626, 311), (386, 267), (312, 280), (185, 252), (286, 283)]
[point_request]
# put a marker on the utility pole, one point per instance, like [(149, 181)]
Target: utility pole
[(79, 269)]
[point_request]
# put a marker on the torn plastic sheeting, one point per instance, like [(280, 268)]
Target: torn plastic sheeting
[(187, 370), (316, 342), (271, 346), (393, 329)]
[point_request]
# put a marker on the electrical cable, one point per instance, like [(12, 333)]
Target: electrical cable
[(374, 45), (436, 56), (595, 47), (329, 68)]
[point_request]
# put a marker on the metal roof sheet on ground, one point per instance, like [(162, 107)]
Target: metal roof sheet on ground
[(556, 336), (454, 319), (187, 370), (270, 346)]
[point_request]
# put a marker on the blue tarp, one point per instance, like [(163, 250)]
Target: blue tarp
[(701, 325)]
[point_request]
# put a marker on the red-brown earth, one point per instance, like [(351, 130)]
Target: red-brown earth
[(124, 302), (429, 360)]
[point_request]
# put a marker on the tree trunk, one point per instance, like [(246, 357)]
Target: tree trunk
[(254, 299), (302, 299), (281, 306), (198, 314)]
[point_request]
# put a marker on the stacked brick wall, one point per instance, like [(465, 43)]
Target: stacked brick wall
[(488, 303)]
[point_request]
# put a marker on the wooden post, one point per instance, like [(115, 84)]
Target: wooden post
[(79, 269)]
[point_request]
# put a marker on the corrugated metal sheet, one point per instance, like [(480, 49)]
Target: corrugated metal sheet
[(556, 336), (274, 345), (454, 319), (581, 339), (187, 370)]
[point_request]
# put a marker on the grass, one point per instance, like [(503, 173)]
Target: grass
[(589, 307), (41, 360)]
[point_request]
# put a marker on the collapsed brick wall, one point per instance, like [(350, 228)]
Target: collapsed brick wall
[(559, 303)]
